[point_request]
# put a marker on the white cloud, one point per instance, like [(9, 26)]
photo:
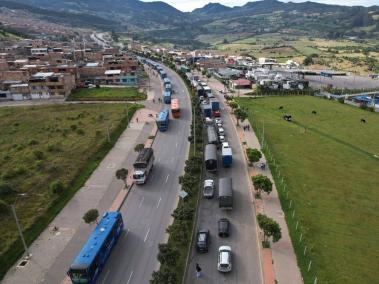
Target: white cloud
[(189, 5)]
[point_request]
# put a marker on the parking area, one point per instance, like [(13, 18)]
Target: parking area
[(246, 264)]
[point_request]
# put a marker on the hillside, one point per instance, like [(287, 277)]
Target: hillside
[(160, 22)]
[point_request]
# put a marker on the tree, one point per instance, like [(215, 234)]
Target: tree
[(262, 182), (122, 174), (308, 61), (240, 114), (139, 147), (254, 155), (57, 187), (91, 216), (203, 72), (4, 208), (269, 227), (209, 76), (167, 255), (5, 189), (164, 275), (233, 104)]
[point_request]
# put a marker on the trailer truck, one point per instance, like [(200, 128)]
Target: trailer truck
[(143, 165)]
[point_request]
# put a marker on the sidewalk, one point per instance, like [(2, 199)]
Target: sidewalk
[(53, 251)]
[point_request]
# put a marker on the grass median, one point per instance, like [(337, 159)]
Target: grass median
[(331, 175), (107, 94), (45, 145)]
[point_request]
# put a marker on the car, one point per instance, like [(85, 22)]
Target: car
[(208, 121), (219, 125), (223, 227), (221, 131), (224, 259), (221, 138), (218, 120), (221, 91), (225, 145), (209, 188), (202, 240)]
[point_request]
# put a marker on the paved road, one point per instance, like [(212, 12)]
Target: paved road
[(147, 209), (243, 240)]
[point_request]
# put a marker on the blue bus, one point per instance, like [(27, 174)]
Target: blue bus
[(166, 81), (163, 120), (89, 262), (168, 88), (167, 97)]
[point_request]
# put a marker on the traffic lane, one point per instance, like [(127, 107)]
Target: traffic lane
[(246, 263), (144, 261)]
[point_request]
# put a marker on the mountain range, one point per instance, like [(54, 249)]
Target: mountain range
[(158, 21)]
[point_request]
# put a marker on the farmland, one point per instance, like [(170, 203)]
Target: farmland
[(107, 94), (330, 171), (46, 154)]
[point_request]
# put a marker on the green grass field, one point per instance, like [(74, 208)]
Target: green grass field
[(43, 144), (332, 177), (107, 94)]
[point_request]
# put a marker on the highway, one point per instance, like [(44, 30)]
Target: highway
[(147, 209), (243, 238)]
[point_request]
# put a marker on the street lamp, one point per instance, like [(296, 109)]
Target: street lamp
[(20, 231)]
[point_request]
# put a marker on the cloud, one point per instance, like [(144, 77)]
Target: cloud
[(187, 6)]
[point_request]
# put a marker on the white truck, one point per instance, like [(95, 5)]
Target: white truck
[(143, 165)]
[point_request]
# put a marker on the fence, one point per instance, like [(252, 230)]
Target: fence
[(297, 231)]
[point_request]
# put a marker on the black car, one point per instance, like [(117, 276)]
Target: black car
[(223, 227), (202, 240)]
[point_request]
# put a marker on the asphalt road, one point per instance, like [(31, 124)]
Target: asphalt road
[(147, 209), (246, 265)]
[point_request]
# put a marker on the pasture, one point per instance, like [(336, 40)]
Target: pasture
[(332, 176), (46, 145), (107, 94)]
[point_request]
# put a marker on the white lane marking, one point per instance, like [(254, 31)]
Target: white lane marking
[(159, 201), (176, 145), (140, 204), (127, 231), (106, 276), (130, 277), (147, 234), (167, 178)]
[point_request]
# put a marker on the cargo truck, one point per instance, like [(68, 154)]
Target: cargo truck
[(143, 165), (225, 193), (215, 104), (207, 109)]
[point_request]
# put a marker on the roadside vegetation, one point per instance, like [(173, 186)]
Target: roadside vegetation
[(107, 94), (46, 154), (174, 254), (325, 166)]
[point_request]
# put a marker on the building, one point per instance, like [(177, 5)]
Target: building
[(228, 74), (19, 92), (240, 84), (50, 84)]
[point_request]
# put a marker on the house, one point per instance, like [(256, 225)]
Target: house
[(240, 84), (50, 84), (112, 77), (19, 92), (5, 95), (228, 74)]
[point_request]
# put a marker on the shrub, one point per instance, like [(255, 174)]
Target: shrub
[(4, 208), (80, 131), (32, 142), (5, 189), (53, 148), (74, 127), (91, 216), (57, 187), (38, 155)]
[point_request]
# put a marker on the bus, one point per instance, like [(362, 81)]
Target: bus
[(167, 97), (163, 120), (91, 259), (162, 73), (211, 135), (175, 108), (210, 157), (166, 81)]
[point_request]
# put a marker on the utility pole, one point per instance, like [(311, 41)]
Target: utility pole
[(20, 231), (194, 130)]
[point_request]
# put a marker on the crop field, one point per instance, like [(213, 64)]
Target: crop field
[(107, 94), (331, 174), (46, 154)]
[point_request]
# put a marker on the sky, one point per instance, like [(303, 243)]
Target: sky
[(189, 5)]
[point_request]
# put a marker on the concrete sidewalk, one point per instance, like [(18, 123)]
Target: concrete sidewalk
[(53, 251)]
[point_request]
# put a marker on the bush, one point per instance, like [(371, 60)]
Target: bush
[(38, 155), (4, 207), (57, 187), (32, 142), (91, 216), (5, 189), (80, 131)]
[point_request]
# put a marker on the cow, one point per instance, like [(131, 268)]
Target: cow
[(363, 120), (281, 107), (314, 112), (287, 117)]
